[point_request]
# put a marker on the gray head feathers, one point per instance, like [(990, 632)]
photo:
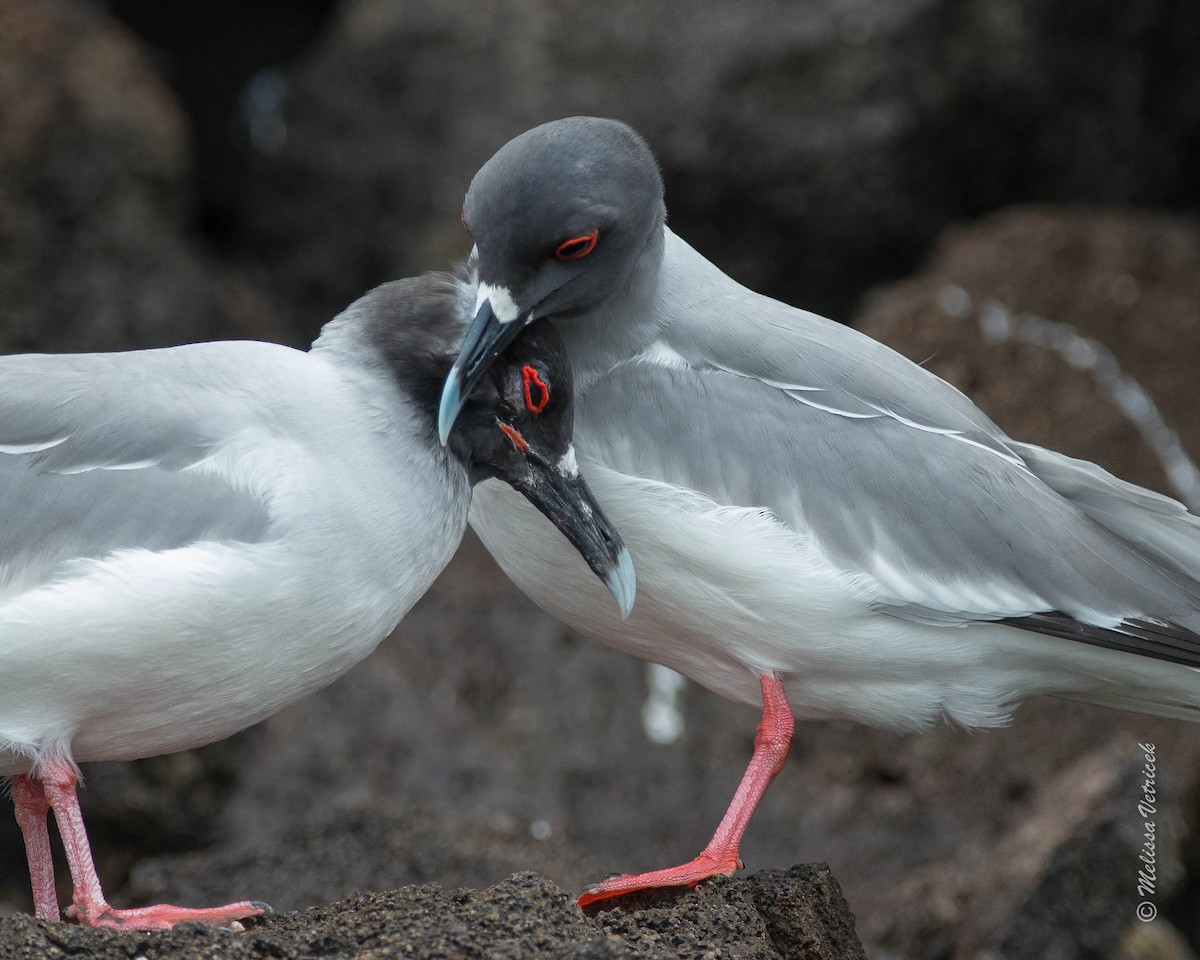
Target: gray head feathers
[(563, 181)]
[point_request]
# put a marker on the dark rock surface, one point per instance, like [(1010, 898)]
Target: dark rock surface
[(1020, 897), (811, 150), (797, 915), (95, 190), (207, 51)]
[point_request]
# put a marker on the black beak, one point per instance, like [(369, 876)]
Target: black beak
[(566, 500), (485, 341)]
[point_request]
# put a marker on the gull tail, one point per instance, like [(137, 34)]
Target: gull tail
[(1155, 708)]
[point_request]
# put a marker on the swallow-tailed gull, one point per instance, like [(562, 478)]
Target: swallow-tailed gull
[(198, 536), (819, 525)]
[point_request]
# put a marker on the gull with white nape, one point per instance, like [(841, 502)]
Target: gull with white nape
[(198, 536), (820, 526)]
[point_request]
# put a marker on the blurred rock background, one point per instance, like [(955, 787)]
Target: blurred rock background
[(928, 170)]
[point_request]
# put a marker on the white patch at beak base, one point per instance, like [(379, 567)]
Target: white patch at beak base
[(503, 305), (567, 465)]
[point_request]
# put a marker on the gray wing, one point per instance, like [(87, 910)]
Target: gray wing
[(98, 452), (1159, 525), (913, 488), (823, 364)]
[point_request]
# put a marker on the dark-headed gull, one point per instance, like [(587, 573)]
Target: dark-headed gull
[(817, 522), (198, 536)]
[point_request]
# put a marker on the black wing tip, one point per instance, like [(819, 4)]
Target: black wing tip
[(1159, 640)]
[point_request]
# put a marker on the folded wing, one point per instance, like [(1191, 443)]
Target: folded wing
[(949, 520), (108, 452)]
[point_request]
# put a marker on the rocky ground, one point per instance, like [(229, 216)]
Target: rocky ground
[(815, 157), (799, 915)]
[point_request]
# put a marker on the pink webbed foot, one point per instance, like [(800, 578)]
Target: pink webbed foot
[(89, 907), (685, 875), (772, 741), (163, 916)]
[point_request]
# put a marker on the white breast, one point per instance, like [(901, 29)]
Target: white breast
[(725, 594), (146, 652)]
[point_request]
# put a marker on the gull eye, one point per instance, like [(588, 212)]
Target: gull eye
[(537, 391), (577, 247)]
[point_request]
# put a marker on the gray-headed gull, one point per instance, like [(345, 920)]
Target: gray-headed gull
[(819, 525), (199, 536)]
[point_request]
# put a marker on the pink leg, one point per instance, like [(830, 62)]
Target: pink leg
[(31, 805), (89, 906), (771, 744)]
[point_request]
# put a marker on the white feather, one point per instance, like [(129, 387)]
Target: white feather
[(364, 517)]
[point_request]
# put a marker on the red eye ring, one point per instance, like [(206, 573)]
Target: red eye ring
[(578, 247), (530, 378), (462, 218)]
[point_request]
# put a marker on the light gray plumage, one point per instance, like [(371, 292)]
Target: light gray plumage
[(801, 501), (94, 457), (878, 488), (175, 472), (195, 537), (686, 378)]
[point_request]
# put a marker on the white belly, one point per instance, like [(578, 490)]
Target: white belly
[(145, 652), (726, 594)]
